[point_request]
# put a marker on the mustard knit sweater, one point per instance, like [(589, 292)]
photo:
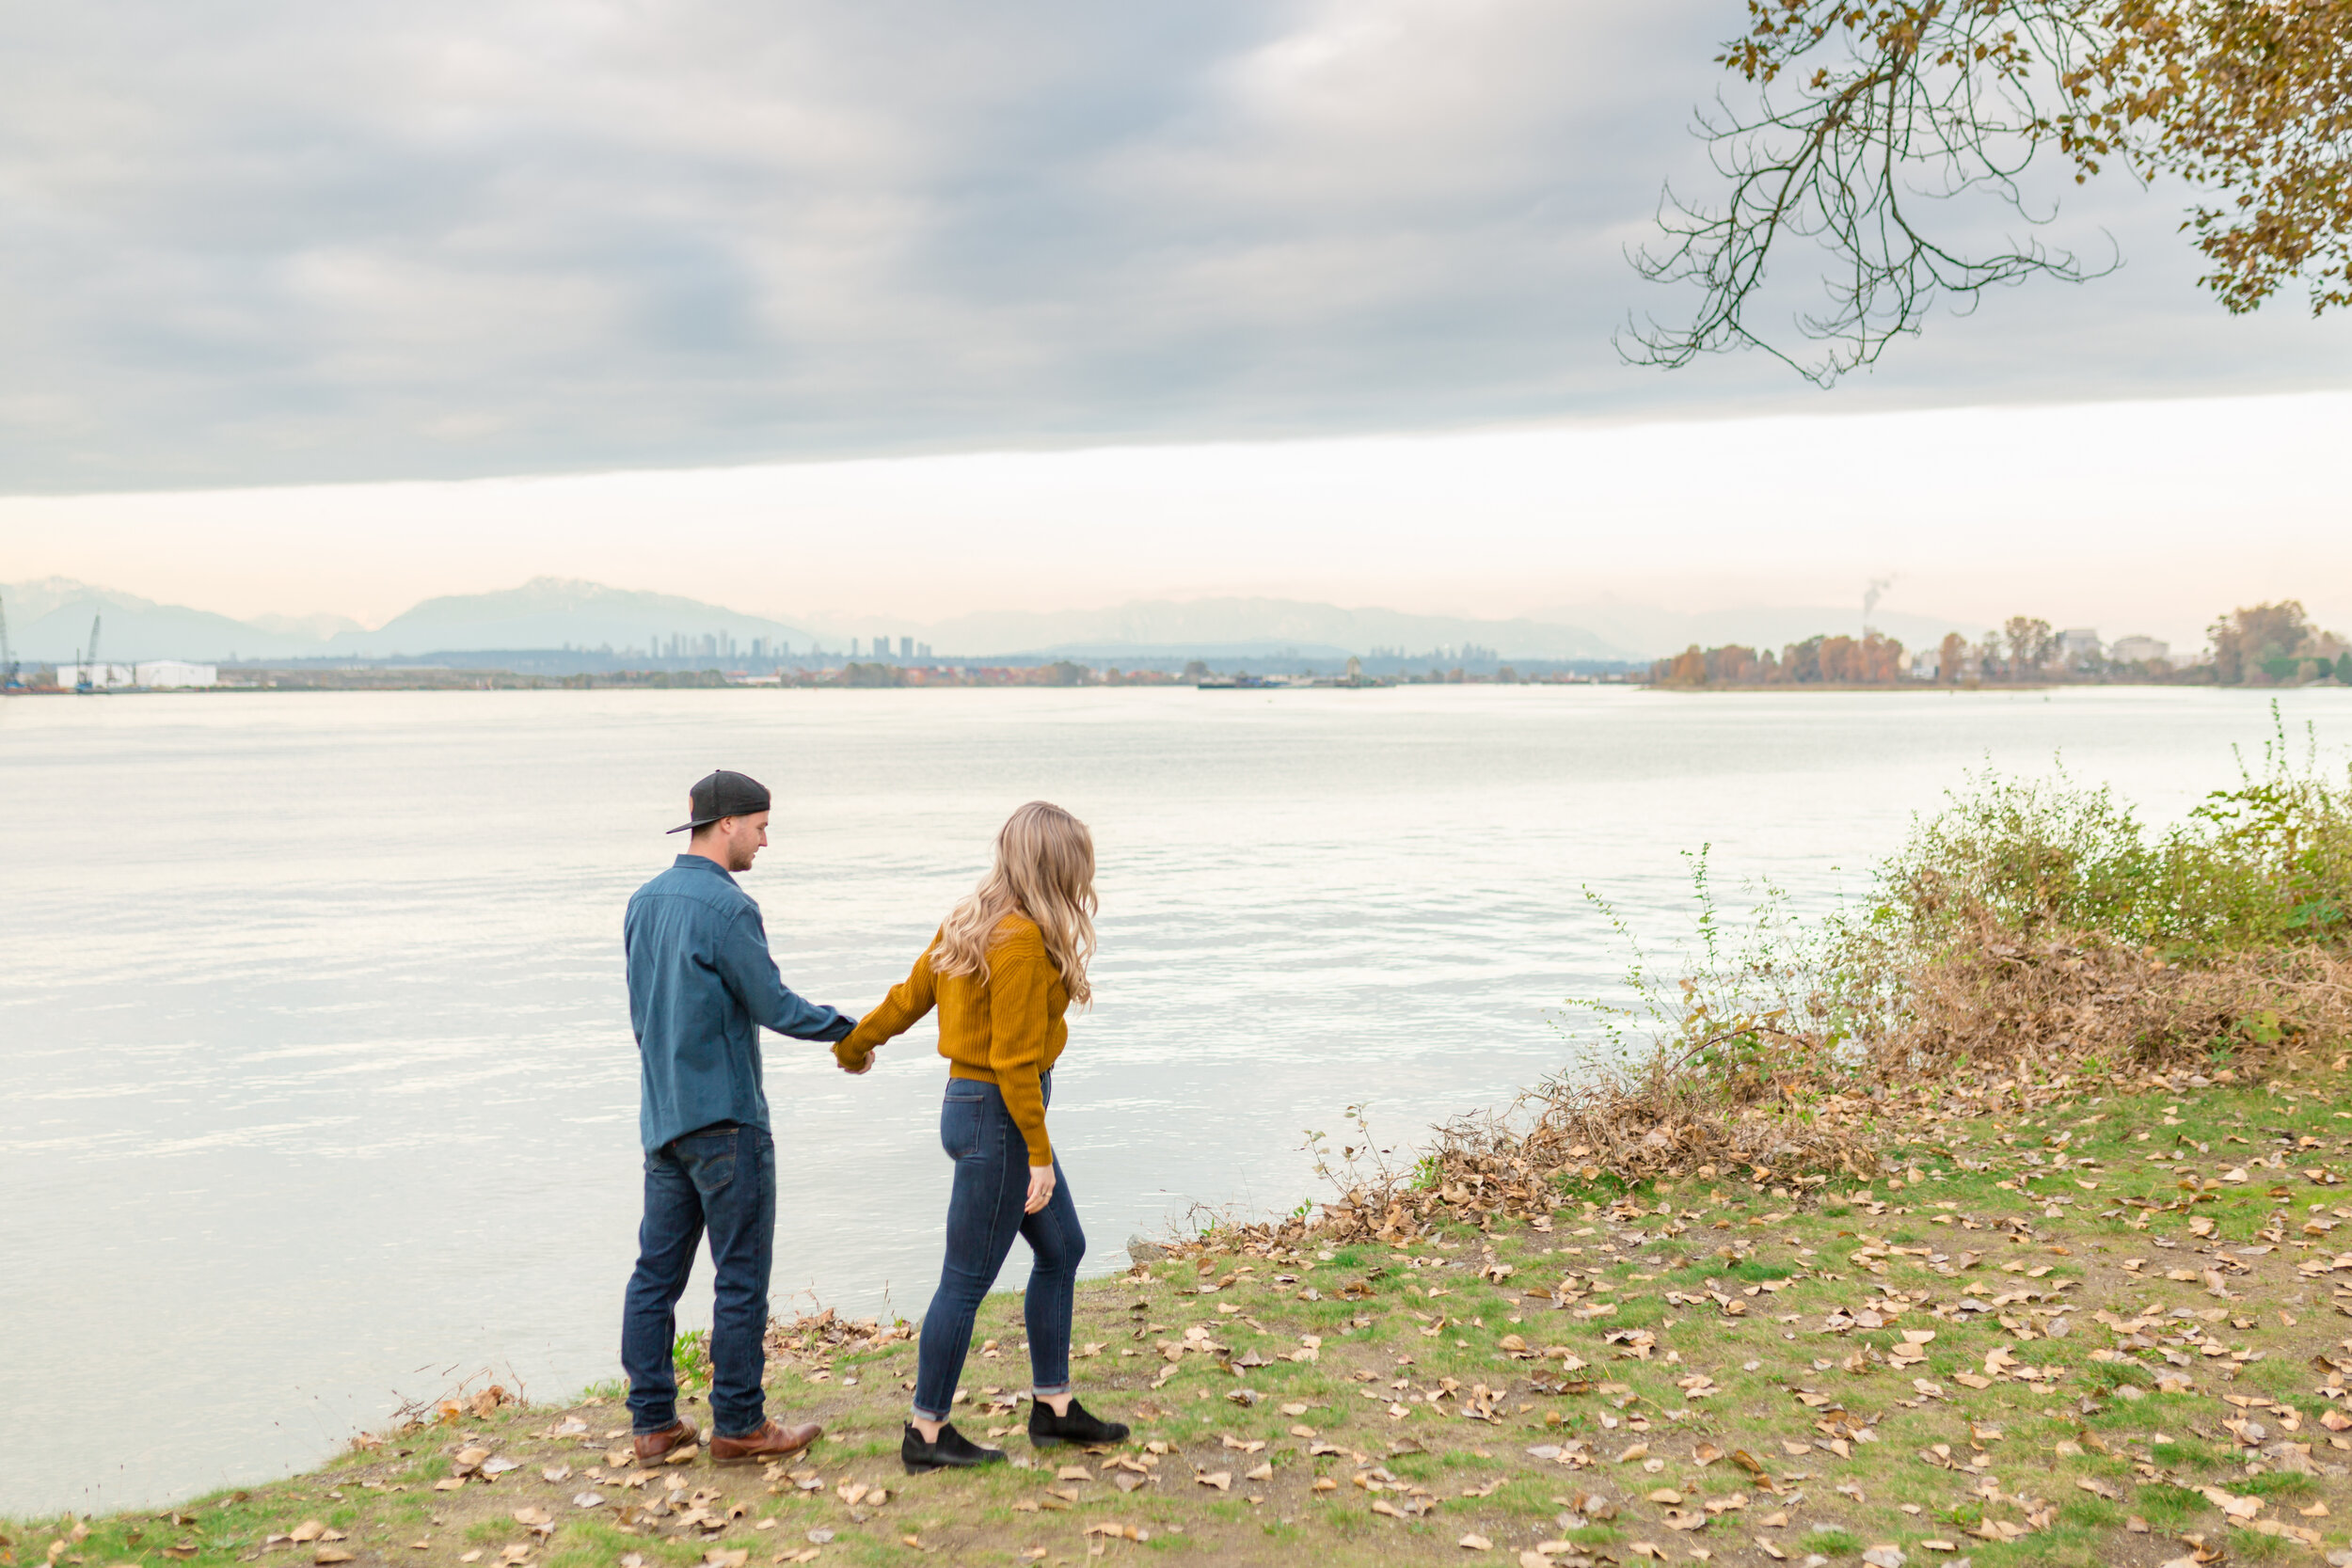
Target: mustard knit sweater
[(1007, 1030)]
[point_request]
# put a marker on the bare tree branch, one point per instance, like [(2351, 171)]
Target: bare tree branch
[(1873, 118)]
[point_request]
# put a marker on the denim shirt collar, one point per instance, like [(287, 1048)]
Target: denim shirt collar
[(704, 862)]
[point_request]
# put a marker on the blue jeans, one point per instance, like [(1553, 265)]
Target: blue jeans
[(722, 1180), (984, 1215)]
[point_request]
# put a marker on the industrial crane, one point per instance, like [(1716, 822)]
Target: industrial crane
[(90, 663)]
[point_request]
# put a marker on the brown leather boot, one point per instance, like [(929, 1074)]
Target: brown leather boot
[(769, 1442), (652, 1446)]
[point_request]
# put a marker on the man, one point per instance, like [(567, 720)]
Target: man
[(700, 983)]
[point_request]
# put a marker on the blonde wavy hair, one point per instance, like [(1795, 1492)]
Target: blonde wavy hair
[(1044, 870)]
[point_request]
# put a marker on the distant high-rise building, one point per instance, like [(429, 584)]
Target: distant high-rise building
[(922, 650), (881, 647), (2079, 642), (2137, 649)]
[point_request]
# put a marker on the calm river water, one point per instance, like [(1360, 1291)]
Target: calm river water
[(322, 1089)]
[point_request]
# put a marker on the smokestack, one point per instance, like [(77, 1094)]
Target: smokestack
[(1872, 594)]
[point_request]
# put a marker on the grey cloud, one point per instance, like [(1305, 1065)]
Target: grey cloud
[(254, 243)]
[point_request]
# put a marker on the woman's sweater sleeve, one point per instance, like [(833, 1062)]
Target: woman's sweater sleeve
[(902, 1010), (1018, 976)]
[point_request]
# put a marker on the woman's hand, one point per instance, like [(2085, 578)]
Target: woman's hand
[(1041, 1188)]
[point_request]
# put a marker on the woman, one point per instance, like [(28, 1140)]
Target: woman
[(1004, 968)]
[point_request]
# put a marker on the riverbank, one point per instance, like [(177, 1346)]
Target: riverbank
[(2074, 1326)]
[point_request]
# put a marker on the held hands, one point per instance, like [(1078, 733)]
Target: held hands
[(1041, 1188), (851, 1062)]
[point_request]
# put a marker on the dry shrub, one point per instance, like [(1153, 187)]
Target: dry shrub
[(2001, 1029), (2032, 941), (2085, 1003)]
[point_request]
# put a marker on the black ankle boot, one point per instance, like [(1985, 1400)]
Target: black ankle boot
[(953, 1450), (1047, 1428)]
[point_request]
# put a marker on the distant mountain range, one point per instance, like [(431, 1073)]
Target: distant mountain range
[(49, 621), (1261, 627), (1231, 627)]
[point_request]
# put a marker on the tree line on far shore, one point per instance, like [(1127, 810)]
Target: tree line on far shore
[(2265, 644)]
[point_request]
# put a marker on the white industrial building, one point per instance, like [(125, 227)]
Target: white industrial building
[(71, 675), (172, 674), (2141, 650), (155, 674)]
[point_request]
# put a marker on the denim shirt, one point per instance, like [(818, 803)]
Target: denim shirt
[(699, 984)]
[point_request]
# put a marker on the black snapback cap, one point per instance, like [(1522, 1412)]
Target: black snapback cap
[(724, 794)]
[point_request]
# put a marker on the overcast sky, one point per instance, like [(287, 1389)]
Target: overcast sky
[(248, 244)]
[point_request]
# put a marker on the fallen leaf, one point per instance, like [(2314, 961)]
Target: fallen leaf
[(1221, 1480), (1476, 1543), (2231, 1504)]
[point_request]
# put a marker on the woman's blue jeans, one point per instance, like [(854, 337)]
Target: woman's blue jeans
[(984, 1215)]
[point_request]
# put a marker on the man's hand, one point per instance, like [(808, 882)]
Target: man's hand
[(1041, 1188)]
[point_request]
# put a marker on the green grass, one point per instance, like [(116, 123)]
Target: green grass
[(1827, 1267)]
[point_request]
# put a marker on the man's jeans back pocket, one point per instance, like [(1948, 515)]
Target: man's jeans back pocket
[(709, 1160)]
